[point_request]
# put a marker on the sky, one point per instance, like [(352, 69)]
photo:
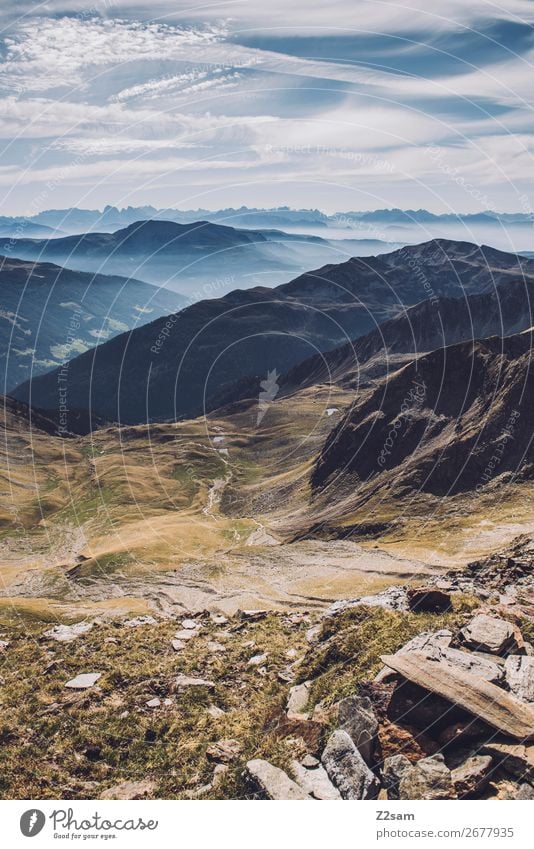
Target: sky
[(339, 105)]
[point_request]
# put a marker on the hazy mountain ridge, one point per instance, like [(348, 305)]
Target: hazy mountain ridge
[(49, 314), (166, 373)]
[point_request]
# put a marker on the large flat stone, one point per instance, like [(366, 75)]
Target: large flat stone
[(479, 697)]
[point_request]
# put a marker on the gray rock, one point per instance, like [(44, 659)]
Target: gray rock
[(272, 783), (489, 634), (298, 701), (314, 781), (313, 634), (257, 660), (190, 624), (347, 769), (184, 682), (178, 645), (393, 770), (394, 598), (356, 716), (67, 633), (429, 778), (519, 674), (471, 662), (140, 620), (516, 758), (473, 775), (310, 762), (526, 791), (252, 615), (129, 790), (224, 751), (154, 703), (185, 635), (83, 681)]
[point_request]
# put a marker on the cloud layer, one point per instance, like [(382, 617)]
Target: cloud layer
[(350, 104)]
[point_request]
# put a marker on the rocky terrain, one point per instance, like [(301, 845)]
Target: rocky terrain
[(421, 693)]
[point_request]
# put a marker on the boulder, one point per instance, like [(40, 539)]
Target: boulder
[(314, 780), (83, 681), (472, 776), (519, 674), (224, 751), (492, 635), (297, 702), (393, 770), (178, 645), (479, 697), (357, 717), (154, 703), (347, 769), (269, 782), (428, 600), (428, 779)]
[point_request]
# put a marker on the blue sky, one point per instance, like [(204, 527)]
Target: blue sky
[(346, 105)]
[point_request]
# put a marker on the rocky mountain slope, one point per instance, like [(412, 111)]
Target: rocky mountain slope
[(49, 314), (168, 370)]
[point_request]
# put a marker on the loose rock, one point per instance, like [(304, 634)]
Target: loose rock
[(356, 716), (519, 674), (347, 769), (489, 634), (272, 783), (429, 778), (314, 781), (393, 770), (183, 682), (298, 701), (67, 633), (83, 681), (224, 751), (472, 776)]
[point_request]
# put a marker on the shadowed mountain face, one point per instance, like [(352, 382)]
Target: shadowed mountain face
[(424, 327), (180, 367), (188, 256), (449, 422), (49, 314)]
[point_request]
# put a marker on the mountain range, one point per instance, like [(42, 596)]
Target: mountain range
[(186, 256), (171, 369), (49, 314)]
